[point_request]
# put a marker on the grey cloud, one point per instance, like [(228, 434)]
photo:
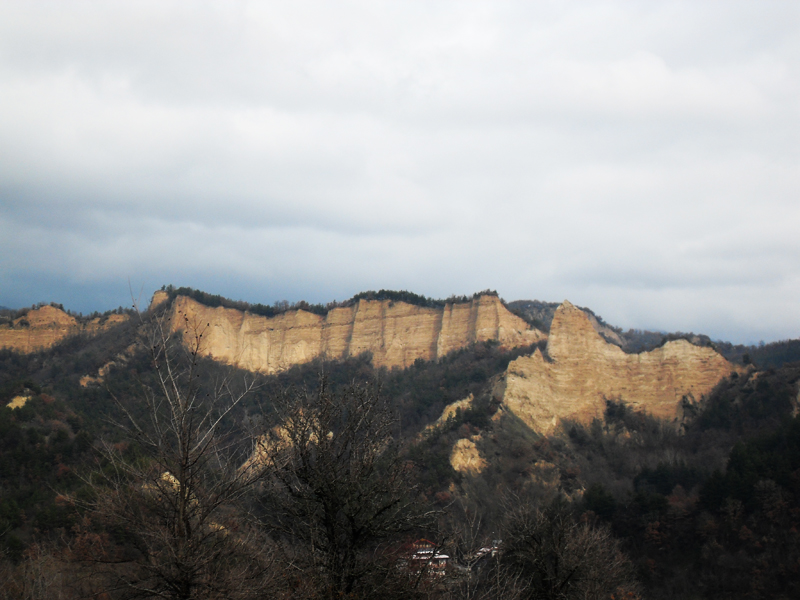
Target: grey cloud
[(638, 158)]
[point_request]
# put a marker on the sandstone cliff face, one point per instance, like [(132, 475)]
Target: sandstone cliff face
[(37, 330), (583, 370), (465, 457), (44, 327), (159, 297), (395, 333)]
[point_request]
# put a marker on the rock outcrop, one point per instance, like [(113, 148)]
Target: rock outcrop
[(19, 401), (159, 297), (44, 327), (450, 411), (582, 370), (37, 330), (120, 360), (465, 457), (396, 333)]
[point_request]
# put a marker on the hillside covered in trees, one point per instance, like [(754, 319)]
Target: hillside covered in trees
[(170, 475)]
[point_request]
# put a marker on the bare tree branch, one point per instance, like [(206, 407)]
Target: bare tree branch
[(177, 502)]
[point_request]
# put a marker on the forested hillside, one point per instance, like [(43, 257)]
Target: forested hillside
[(321, 481)]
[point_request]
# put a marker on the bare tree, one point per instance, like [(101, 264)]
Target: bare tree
[(40, 575), (472, 546), (176, 501), (339, 492), (549, 554)]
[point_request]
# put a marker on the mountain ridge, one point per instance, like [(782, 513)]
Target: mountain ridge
[(394, 332), (580, 370), (645, 469), (17, 334)]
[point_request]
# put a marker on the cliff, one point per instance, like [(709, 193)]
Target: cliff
[(582, 370), (44, 327), (395, 333), (37, 330)]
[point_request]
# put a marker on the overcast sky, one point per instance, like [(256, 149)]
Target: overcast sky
[(638, 158)]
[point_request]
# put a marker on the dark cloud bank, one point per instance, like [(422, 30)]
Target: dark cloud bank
[(637, 158)]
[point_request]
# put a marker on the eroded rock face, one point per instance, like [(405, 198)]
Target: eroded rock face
[(159, 297), (584, 370), (395, 333), (465, 457), (101, 324), (37, 330), (450, 411), (120, 360), (44, 327)]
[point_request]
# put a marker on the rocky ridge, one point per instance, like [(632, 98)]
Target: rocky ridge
[(581, 370), (42, 328), (395, 333)]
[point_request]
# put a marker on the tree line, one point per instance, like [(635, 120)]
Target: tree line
[(282, 306)]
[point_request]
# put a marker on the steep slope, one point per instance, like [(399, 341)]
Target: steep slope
[(396, 333), (44, 327), (582, 370), (38, 329)]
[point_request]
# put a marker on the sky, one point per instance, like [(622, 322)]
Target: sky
[(638, 158)]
